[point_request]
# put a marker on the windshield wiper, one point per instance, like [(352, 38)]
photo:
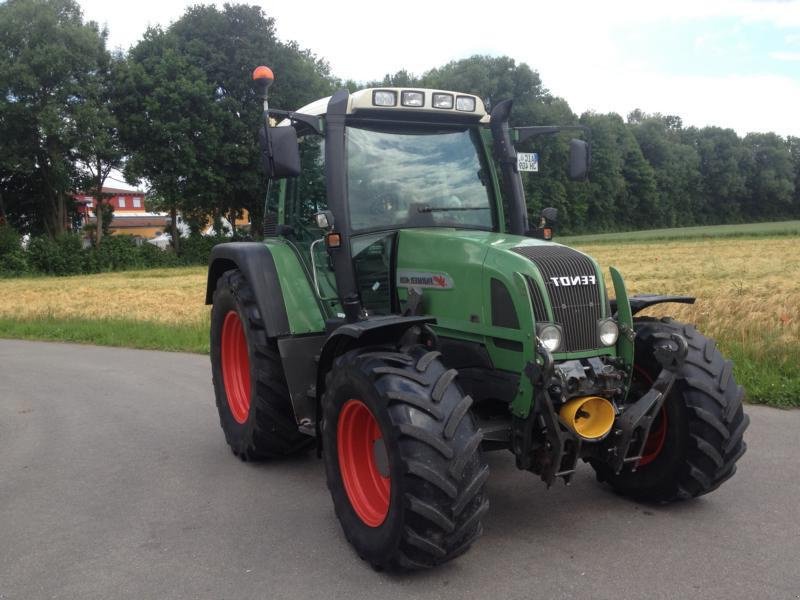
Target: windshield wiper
[(430, 209)]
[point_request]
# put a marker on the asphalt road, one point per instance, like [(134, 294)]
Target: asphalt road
[(115, 482)]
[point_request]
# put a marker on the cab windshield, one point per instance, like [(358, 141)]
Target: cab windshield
[(430, 179)]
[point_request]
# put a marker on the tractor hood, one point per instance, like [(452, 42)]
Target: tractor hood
[(500, 284)]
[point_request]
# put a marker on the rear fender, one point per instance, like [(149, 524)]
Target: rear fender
[(257, 264), (278, 278)]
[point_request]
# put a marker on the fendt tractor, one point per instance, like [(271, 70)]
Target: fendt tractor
[(403, 317)]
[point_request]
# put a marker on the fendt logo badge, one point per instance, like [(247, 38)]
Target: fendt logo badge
[(574, 280)]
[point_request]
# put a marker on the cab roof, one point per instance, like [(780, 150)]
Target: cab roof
[(366, 101)]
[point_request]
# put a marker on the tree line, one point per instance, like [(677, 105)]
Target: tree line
[(177, 112)]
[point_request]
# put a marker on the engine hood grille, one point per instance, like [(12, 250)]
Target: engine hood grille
[(571, 289)]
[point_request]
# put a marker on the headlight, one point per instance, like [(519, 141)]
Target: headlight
[(550, 336), (609, 332)]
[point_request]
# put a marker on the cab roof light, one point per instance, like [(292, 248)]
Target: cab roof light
[(443, 101), (412, 98), (465, 103), (384, 98)]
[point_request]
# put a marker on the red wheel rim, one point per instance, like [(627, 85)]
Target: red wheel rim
[(235, 367), (658, 434), (367, 489)]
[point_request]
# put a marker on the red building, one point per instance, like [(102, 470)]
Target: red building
[(130, 214)]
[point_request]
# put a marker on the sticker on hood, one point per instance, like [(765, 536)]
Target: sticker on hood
[(424, 279)]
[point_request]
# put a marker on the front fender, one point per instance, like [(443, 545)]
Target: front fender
[(641, 301), (278, 279), (373, 331)]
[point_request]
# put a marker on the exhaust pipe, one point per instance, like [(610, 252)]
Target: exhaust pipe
[(590, 417)]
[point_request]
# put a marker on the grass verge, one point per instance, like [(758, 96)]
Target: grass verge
[(146, 335)]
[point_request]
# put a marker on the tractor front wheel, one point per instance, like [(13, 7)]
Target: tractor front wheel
[(697, 437), (255, 410), (402, 458)]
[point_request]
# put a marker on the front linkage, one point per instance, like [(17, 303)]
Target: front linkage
[(544, 444)]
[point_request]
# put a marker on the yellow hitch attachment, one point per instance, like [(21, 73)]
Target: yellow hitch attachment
[(590, 417)]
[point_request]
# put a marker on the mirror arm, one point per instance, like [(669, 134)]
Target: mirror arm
[(525, 133), (313, 122)]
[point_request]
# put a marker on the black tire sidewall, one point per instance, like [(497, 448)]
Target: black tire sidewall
[(662, 471), (349, 383), (225, 301)]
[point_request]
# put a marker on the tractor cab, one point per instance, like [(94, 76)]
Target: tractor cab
[(384, 160)]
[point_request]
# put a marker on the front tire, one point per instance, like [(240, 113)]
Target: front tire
[(402, 458), (254, 406), (697, 438)]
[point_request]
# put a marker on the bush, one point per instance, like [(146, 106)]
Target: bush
[(13, 259), (9, 240), (152, 256), (115, 253), (196, 249), (66, 255), (61, 256)]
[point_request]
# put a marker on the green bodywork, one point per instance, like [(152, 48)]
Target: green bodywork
[(472, 259), (303, 308)]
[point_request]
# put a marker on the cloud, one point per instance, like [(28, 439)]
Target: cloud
[(586, 51), (789, 56), (744, 103)]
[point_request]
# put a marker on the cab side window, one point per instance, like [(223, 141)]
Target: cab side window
[(306, 194)]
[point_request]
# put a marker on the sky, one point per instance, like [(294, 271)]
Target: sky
[(728, 63)]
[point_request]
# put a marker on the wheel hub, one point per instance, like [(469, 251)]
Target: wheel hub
[(363, 462), (235, 367)]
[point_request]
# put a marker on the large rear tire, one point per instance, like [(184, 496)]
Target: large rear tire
[(402, 458), (697, 438), (255, 410)]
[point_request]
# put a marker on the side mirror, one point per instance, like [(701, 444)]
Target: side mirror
[(547, 222), (280, 152), (579, 159), (550, 216)]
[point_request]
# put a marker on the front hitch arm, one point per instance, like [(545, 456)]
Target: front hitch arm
[(558, 456), (632, 427)]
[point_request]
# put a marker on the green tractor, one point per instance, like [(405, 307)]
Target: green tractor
[(403, 317)]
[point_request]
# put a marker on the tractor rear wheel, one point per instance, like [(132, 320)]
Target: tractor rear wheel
[(697, 437), (255, 410), (402, 458)]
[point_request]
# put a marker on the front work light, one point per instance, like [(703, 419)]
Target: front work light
[(609, 332), (465, 103), (549, 335), (384, 98), (443, 101), (408, 98), (324, 219)]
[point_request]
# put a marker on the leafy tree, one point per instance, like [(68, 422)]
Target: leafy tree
[(770, 181), (48, 58), (192, 117), (724, 165), (98, 148), (793, 145)]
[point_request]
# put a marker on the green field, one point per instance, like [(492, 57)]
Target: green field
[(778, 228), (747, 288)]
